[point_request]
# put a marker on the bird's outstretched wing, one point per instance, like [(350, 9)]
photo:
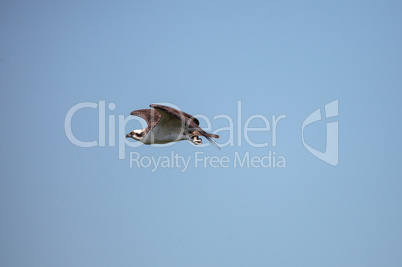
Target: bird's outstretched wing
[(178, 114), (151, 116)]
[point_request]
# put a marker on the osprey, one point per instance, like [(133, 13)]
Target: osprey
[(166, 124)]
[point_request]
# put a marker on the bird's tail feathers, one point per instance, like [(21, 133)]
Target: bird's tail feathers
[(213, 135)]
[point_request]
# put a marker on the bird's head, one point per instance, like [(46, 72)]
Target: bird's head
[(136, 134)]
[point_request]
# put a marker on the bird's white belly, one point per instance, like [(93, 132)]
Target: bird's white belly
[(163, 135)]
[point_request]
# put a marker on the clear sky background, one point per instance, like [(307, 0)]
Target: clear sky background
[(63, 205)]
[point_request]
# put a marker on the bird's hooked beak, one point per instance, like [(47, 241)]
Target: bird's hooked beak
[(129, 135)]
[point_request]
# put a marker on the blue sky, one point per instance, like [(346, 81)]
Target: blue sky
[(64, 205)]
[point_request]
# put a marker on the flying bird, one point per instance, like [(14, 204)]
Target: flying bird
[(166, 124)]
